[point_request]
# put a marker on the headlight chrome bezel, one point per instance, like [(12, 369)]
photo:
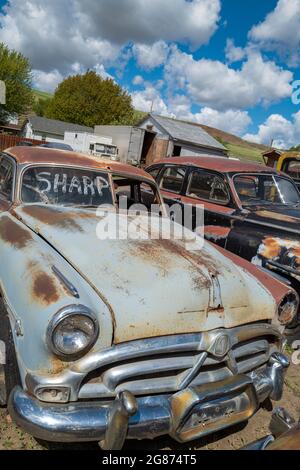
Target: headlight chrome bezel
[(59, 317)]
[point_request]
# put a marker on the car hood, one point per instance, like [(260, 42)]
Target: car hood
[(152, 287)]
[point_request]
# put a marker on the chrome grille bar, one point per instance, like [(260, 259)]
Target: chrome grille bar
[(167, 369)]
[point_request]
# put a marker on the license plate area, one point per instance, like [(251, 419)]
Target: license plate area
[(198, 411)]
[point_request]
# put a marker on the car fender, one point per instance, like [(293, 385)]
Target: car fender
[(33, 293)]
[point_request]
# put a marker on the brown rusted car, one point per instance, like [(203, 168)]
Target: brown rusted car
[(249, 209), (104, 338)]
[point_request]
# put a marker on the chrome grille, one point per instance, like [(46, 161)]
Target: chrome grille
[(168, 364)]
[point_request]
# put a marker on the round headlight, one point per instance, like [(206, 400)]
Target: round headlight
[(72, 331), (288, 308)]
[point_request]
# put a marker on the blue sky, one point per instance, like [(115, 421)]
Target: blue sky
[(226, 63)]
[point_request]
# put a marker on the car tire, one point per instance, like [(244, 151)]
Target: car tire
[(10, 374)]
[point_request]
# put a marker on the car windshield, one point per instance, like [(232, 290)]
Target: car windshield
[(66, 186), (262, 189)]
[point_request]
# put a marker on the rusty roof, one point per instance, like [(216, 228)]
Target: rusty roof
[(222, 164), (43, 155)]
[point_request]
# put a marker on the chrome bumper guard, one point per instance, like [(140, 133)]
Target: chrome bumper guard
[(189, 414)]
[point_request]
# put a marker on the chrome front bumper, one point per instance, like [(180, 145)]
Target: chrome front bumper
[(189, 414)]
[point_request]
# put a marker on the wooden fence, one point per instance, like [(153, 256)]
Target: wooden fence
[(7, 141)]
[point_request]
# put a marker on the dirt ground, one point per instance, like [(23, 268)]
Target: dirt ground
[(12, 437)]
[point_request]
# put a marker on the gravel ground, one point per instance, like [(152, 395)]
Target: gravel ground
[(12, 437)]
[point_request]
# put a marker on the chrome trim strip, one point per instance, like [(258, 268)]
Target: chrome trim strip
[(192, 373), (71, 288)]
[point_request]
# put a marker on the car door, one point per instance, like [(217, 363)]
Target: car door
[(211, 190), (7, 176), (171, 179)]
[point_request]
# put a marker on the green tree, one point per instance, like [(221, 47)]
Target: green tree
[(40, 106), (88, 99), (15, 71)]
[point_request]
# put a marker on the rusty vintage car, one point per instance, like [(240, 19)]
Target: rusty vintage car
[(108, 339), (249, 209)]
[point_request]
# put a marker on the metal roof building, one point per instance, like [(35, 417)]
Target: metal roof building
[(185, 138)]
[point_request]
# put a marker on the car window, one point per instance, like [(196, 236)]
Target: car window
[(6, 178), (134, 192), (154, 172), (67, 186), (205, 185), (172, 179), (246, 187), (265, 189), (292, 168)]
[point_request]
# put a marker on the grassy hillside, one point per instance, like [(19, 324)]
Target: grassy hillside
[(237, 147), (41, 95)]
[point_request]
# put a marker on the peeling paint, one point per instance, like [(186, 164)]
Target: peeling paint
[(284, 251), (216, 232)]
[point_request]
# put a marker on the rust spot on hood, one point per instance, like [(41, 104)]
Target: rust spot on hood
[(13, 233), (53, 216), (44, 289), (165, 253)]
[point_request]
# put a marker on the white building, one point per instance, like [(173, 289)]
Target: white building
[(50, 130)]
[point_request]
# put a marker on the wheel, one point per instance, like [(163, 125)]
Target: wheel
[(9, 375)]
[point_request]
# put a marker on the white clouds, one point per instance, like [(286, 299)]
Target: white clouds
[(281, 131), (235, 122), (150, 56), (46, 81), (69, 35), (280, 30), (214, 84), (138, 80), (56, 34), (145, 22), (148, 100), (233, 53), (49, 34)]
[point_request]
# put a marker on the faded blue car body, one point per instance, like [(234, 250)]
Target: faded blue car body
[(177, 327)]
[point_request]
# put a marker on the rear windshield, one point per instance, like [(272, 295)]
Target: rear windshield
[(67, 186)]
